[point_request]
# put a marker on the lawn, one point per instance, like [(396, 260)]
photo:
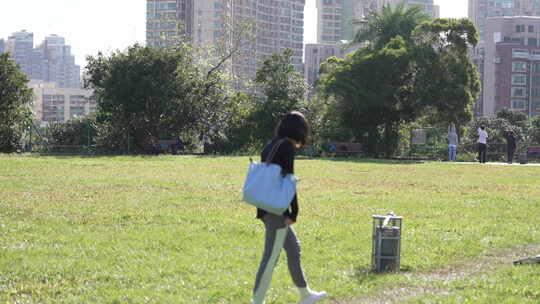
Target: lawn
[(173, 230)]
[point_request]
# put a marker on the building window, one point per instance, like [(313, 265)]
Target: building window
[(520, 28), (518, 92), (53, 108), (535, 92), (531, 28), (518, 104), (536, 80), (75, 112), (519, 79), (536, 68), (520, 53), (519, 67), (532, 42), (506, 4)]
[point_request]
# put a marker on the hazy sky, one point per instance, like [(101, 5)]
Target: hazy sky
[(105, 25)]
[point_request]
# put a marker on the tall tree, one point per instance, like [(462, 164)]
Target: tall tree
[(15, 100), (447, 81), (220, 104), (411, 67), (371, 90), (282, 85), (284, 90), (381, 27), (145, 93)]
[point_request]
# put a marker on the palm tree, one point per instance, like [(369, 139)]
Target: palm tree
[(382, 26)]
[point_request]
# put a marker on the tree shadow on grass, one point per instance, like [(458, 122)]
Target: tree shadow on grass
[(214, 156), (101, 156), (364, 273), (375, 161)]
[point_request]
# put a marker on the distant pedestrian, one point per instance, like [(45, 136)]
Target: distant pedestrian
[(482, 144), (510, 145), (453, 142)]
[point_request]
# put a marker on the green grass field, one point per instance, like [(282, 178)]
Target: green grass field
[(174, 230)]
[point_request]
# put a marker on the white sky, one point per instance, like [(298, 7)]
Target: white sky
[(105, 25)]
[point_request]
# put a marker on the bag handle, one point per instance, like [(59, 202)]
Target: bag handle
[(273, 151)]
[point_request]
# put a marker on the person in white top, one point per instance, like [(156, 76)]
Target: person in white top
[(482, 144)]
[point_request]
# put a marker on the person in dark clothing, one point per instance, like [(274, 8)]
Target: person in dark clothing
[(510, 145), (292, 132)]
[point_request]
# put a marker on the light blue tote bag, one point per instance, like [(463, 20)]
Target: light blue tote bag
[(266, 188)]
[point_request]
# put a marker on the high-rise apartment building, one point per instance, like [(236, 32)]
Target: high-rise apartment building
[(167, 21), (20, 46), (340, 19), (480, 11), (427, 6), (2, 46), (512, 65), (277, 25), (315, 54), (53, 62)]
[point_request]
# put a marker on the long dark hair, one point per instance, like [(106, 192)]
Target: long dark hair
[(294, 126)]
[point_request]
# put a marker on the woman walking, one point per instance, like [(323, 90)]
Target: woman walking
[(292, 132)]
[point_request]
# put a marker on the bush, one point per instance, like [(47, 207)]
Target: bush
[(74, 136), (467, 157), (535, 130)]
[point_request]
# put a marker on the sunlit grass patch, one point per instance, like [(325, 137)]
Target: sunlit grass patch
[(173, 229)]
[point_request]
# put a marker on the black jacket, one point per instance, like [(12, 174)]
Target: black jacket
[(510, 141), (284, 157)]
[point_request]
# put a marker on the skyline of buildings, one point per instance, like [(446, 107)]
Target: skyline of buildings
[(504, 26), (50, 61), (512, 78), (53, 77), (280, 24), (481, 10), (216, 25)]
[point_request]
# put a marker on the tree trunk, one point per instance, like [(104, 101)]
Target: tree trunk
[(373, 142), (390, 138)]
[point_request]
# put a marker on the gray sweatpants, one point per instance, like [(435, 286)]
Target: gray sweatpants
[(277, 236)]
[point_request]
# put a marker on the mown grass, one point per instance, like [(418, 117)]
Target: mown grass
[(507, 285), (173, 229)]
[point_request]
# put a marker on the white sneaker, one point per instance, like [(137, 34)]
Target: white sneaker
[(314, 297)]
